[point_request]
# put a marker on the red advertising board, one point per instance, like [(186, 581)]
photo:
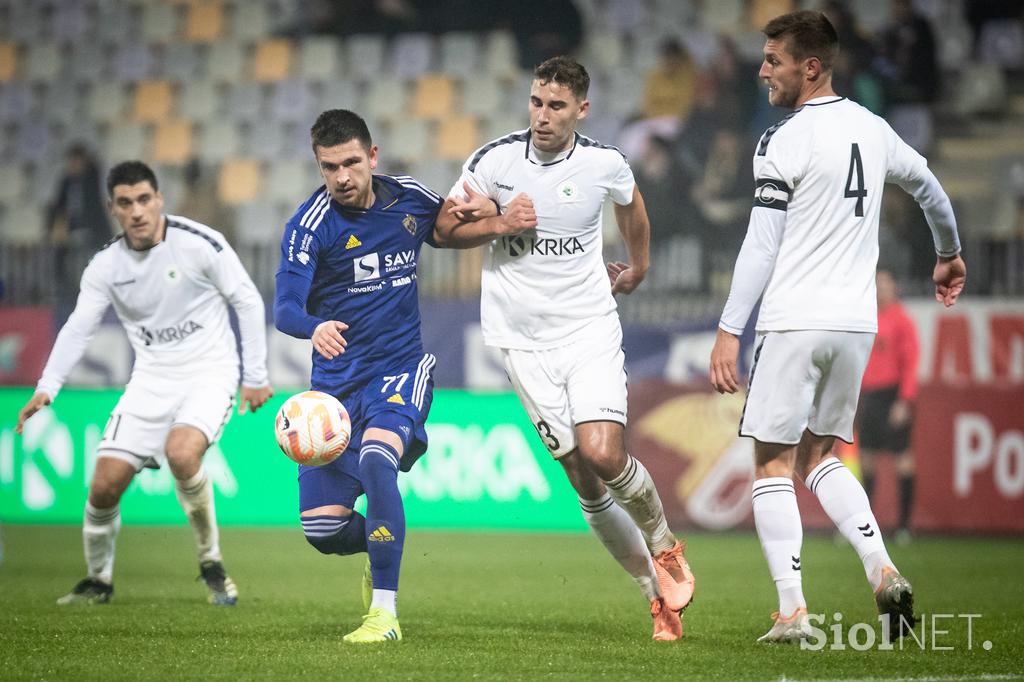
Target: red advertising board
[(26, 335)]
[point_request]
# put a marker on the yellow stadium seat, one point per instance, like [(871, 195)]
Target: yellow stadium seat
[(272, 61), (154, 101), (8, 61), (239, 181), (457, 138), (435, 97), (763, 11), (204, 22), (172, 143)]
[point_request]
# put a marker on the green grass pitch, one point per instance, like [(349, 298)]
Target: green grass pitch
[(485, 606)]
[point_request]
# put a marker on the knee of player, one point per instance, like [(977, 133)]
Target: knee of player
[(104, 496), (336, 534)]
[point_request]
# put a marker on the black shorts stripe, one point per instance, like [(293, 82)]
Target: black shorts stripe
[(750, 384)]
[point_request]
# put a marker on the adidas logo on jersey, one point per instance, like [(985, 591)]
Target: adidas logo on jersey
[(352, 242), (396, 399), (382, 534)]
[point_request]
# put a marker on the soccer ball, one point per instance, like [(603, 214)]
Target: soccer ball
[(313, 428)]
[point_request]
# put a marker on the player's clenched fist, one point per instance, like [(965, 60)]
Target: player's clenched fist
[(518, 216), (327, 339)]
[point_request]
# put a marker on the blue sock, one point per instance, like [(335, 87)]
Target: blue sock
[(385, 515)]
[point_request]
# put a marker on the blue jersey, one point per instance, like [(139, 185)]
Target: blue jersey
[(357, 267)]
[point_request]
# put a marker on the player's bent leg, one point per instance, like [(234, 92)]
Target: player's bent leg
[(185, 448), (602, 446), (777, 521), (101, 524), (611, 524)]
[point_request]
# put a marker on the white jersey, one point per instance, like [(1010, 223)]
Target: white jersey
[(823, 168), (541, 286), (172, 300)]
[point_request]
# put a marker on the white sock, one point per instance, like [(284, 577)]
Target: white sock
[(385, 599), (99, 532), (620, 536), (777, 519), (634, 490), (844, 500), (196, 497)]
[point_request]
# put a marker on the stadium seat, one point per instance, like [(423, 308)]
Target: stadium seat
[(12, 183), (723, 16), (159, 23), (760, 12), (272, 60), (411, 55), (133, 62), (204, 21), (172, 142), (71, 22), (503, 123), (153, 101), (62, 104), (89, 63), (457, 138), (218, 140), (23, 224), (409, 141), (17, 100), (182, 63), (437, 174), (250, 22), (239, 181), (42, 62), (386, 99), (226, 61), (502, 57), (120, 19), (8, 61), (434, 97), (603, 52), (263, 139), (26, 22), (106, 101), (1002, 42), (481, 97), (127, 141), (320, 60), (199, 100), (624, 92), (981, 89), (340, 93), (260, 222), (364, 53), (287, 181), (293, 101), (246, 101), (460, 54)]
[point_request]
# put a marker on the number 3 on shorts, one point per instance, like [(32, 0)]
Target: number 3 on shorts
[(545, 435)]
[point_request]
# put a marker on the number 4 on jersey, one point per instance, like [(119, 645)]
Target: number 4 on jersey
[(857, 192)]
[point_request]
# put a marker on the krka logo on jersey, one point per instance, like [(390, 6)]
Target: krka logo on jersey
[(178, 332), (520, 245)]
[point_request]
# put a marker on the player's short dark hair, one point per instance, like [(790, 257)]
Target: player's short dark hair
[(567, 72), (130, 173), (806, 34), (338, 126)]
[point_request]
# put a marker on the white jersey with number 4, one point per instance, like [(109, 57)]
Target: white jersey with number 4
[(543, 285), (825, 166), (172, 300)]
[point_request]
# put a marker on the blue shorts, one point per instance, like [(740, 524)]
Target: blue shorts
[(398, 402)]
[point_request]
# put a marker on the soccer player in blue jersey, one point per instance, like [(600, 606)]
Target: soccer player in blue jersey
[(347, 281)]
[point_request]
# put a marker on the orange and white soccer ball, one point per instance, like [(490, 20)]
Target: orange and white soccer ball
[(313, 428)]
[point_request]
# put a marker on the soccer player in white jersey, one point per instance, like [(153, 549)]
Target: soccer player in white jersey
[(811, 249), (170, 280), (548, 304)]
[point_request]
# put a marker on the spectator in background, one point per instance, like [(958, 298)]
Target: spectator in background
[(888, 391), (909, 66), (77, 220), (545, 29), (852, 75), (669, 88), (201, 203)]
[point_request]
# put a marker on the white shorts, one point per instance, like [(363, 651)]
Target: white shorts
[(582, 381), (805, 380), (138, 427)]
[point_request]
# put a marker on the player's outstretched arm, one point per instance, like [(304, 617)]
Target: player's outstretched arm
[(636, 232), (950, 275), (36, 403), (452, 232), (253, 398)]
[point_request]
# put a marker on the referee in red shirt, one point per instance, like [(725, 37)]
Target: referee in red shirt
[(888, 392)]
